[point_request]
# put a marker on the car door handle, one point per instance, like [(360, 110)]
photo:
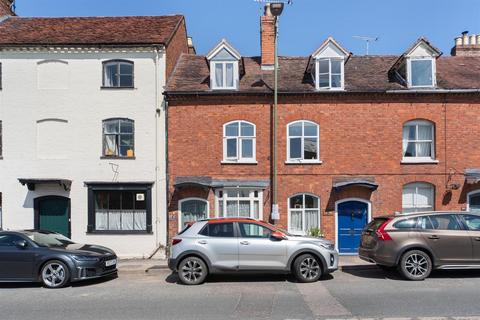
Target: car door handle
[(477, 239), (434, 237), (245, 243), (202, 241)]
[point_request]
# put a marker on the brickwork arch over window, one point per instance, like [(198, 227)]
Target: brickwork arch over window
[(239, 141), (118, 74), (303, 213), (118, 138), (418, 141), (418, 196), (303, 141)]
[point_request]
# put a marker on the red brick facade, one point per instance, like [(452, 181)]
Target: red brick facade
[(360, 135)]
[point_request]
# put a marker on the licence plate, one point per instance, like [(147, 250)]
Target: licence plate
[(110, 263)]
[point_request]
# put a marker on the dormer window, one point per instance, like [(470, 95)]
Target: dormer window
[(416, 68), (224, 67), (421, 72), (328, 71)]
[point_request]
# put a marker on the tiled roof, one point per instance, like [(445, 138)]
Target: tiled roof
[(88, 30), (362, 74), (5, 8)]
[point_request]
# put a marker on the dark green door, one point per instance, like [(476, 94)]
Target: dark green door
[(53, 214)]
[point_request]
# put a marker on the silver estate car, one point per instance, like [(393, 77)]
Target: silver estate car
[(242, 244)]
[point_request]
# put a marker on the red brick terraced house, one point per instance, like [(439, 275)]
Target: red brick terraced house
[(358, 136)]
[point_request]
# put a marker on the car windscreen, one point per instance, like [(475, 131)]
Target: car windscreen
[(45, 239)]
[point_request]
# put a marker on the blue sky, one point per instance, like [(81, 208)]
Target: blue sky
[(303, 26)]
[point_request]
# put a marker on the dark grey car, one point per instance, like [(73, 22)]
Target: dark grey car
[(51, 258), (418, 243)]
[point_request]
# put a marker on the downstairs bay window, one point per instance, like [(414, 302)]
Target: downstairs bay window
[(236, 202), (119, 208)]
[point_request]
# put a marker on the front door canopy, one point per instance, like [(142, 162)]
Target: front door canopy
[(31, 183), (340, 185)]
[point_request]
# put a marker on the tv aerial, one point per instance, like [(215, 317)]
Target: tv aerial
[(367, 41)]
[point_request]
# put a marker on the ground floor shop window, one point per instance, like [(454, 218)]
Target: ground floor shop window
[(192, 209), (303, 214), (119, 208), (238, 202)]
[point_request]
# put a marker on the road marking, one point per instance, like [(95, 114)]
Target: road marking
[(320, 301)]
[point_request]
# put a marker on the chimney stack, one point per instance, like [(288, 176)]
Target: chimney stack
[(268, 26), (7, 8), (467, 45)]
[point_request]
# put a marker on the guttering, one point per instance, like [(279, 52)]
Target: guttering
[(435, 91)]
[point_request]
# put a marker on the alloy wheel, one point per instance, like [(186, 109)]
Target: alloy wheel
[(416, 265), (54, 275), (309, 268), (192, 271)]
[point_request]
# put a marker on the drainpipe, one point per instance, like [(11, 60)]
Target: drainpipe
[(275, 213), (157, 118)]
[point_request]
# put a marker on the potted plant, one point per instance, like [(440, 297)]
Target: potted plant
[(316, 233)]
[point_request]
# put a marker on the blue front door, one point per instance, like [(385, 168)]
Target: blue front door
[(352, 218)]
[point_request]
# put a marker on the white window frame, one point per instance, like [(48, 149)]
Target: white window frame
[(416, 159), (302, 160), (303, 232), (239, 158), (471, 194), (180, 213), (250, 198), (416, 186), (409, 72), (213, 82), (342, 73)]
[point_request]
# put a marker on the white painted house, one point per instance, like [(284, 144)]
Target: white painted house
[(82, 144)]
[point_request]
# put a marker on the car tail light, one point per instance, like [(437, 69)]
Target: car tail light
[(382, 234), (175, 241)]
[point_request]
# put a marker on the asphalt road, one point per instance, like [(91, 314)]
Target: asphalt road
[(345, 295)]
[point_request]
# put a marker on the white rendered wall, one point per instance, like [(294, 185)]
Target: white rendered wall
[(76, 105)]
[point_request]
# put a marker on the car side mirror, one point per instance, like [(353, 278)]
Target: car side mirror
[(277, 235), (22, 244)]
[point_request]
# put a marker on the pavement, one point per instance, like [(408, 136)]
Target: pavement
[(355, 294), (153, 265)]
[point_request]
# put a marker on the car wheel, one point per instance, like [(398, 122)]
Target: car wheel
[(307, 268), (415, 265), (192, 271), (55, 274)]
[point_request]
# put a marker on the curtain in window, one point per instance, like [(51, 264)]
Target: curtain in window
[(406, 130), (244, 209), (127, 220), (424, 148), (114, 220), (111, 75), (219, 75), (311, 219), (256, 210), (193, 210), (101, 220), (295, 221), (110, 144), (229, 75), (232, 208), (140, 220)]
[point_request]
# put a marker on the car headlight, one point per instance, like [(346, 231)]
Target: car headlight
[(328, 246), (85, 258)]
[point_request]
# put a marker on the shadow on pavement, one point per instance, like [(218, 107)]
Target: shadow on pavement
[(393, 274), (245, 277), (83, 283)]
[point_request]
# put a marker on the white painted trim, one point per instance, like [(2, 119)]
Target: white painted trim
[(342, 73), (239, 138), (417, 185), (471, 193), (223, 44), (250, 198), (414, 160), (224, 74), (180, 202), (303, 233), (301, 160), (369, 217), (409, 71), (304, 161), (417, 123)]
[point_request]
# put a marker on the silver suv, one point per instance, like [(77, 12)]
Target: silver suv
[(241, 244)]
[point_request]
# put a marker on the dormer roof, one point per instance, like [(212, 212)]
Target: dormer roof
[(421, 48), (221, 48), (331, 48)]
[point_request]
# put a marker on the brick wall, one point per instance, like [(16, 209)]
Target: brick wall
[(177, 45), (359, 135), (267, 25)]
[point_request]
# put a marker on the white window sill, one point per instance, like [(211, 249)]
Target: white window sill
[(303, 162), (239, 162), (330, 89), (418, 161)]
